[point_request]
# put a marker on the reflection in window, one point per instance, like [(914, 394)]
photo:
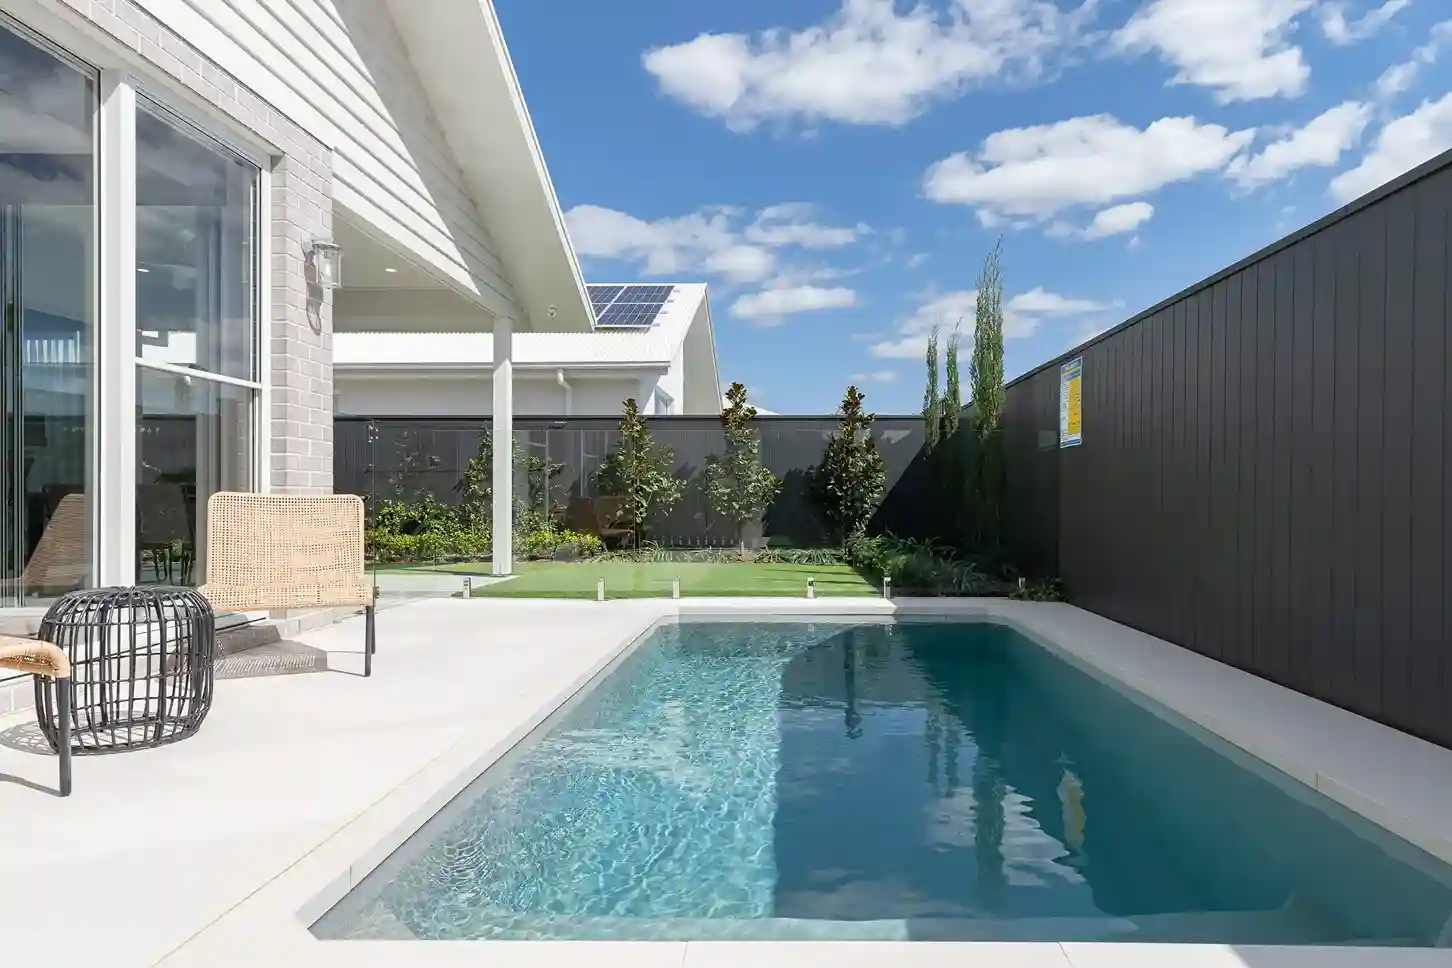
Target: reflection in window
[(47, 287), (194, 438), (195, 249)]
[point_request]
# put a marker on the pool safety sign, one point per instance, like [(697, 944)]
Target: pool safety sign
[(1071, 403)]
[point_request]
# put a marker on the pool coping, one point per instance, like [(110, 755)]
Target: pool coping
[(1396, 781)]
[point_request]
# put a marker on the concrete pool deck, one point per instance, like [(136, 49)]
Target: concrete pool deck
[(219, 851)]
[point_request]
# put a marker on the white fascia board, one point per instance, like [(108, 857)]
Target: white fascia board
[(458, 49)]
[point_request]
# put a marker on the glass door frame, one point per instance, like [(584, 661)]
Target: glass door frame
[(112, 409), (12, 349)]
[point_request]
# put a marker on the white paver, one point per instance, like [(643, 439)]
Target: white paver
[(220, 850)]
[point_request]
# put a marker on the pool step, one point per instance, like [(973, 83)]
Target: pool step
[(1239, 927)]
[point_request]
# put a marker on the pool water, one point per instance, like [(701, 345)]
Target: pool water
[(927, 781)]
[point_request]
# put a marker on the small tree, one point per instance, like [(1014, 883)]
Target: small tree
[(848, 482), (738, 485), (985, 372), (932, 406), (639, 470), (986, 376), (952, 404), (475, 486)]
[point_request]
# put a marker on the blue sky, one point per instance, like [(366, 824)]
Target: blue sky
[(837, 169)]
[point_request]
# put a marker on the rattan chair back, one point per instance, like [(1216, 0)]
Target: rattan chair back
[(278, 551)]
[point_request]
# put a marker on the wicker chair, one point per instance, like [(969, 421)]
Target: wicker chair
[(43, 659), (279, 551), (59, 561)]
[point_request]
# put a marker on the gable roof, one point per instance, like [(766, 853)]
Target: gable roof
[(457, 48)]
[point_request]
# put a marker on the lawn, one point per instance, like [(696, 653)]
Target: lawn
[(625, 579)]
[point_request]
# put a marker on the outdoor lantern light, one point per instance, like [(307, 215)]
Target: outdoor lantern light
[(326, 258)]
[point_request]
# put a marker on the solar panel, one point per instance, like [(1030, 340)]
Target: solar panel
[(602, 296), (628, 307)]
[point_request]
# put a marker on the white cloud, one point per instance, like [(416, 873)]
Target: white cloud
[(870, 63), (1400, 146), (770, 305), (876, 376), (916, 259), (1400, 77), (712, 240), (1320, 144), (792, 224), (1039, 171), (1239, 49), (1116, 220), (1340, 31), (1022, 316)]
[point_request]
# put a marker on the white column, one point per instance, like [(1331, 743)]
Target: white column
[(503, 431), (114, 507)]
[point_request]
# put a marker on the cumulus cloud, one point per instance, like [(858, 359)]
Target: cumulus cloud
[(1039, 171), (871, 63), (1400, 77), (1341, 31), (1023, 314), (1116, 220), (1319, 144), (771, 306), (1238, 49), (718, 241), (1401, 145)]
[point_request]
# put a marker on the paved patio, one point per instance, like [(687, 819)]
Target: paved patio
[(203, 853)]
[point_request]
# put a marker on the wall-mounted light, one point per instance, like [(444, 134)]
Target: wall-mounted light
[(326, 258)]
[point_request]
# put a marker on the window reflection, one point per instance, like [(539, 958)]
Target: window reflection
[(193, 438), (194, 249), (47, 286)]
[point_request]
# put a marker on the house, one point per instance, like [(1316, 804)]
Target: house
[(208, 204), (666, 362)]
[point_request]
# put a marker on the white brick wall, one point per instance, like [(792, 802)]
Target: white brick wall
[(301, 337)]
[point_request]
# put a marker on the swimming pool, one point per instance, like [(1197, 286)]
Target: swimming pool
[(919, 781)]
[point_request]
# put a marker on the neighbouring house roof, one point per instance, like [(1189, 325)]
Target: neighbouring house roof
[(655, 348)]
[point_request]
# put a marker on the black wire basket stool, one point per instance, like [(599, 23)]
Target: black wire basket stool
[(141, 667)]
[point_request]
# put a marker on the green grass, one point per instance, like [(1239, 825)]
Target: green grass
[(624, 579)]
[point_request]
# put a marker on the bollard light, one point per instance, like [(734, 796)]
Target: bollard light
[(468, 586), (675, 588), (886, 587), (811, 588), (600, 591)]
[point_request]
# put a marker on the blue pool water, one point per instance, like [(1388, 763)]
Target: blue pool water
[(915, 781)]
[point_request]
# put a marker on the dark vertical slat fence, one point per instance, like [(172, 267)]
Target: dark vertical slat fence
[(1266, 472), (416, 455)]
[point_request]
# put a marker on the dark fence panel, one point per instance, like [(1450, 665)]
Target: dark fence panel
[(1264, 476), (415, 455)]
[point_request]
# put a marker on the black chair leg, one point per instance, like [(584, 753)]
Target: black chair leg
[(368, 640), (63, 712)]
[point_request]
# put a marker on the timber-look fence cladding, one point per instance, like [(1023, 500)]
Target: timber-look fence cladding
[(1264, 474)]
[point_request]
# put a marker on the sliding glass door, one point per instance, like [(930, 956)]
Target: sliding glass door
[(48, 274), (197, 381)]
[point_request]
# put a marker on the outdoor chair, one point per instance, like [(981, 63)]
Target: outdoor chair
[(282, 551), (612, 515), (59, 562), (600, 516), (33, 657)]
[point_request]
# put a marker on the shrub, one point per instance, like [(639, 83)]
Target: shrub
[(918, 567), (558, 542), (848, 482), (640, 470), (737, 483), (1043, 590)]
